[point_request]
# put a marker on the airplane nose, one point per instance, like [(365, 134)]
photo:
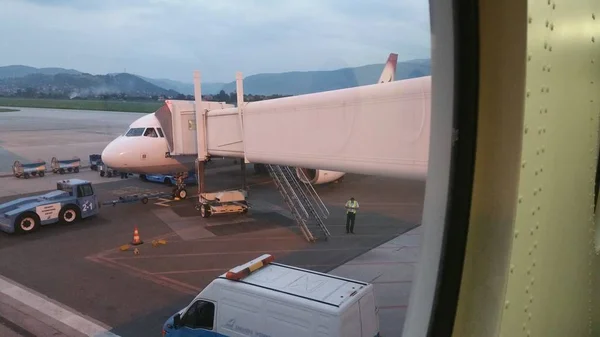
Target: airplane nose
[(114, 155)]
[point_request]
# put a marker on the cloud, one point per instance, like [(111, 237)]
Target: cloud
[(170, 38)]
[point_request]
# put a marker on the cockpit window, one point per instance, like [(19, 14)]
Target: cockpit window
[(160, 133), (135, 132), (150, 132)]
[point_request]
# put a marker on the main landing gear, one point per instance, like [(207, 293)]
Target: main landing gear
[(179, 190)]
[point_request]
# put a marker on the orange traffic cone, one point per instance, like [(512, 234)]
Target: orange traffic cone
[(136, 237)]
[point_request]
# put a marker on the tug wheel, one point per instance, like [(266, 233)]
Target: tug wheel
[(27, 222)]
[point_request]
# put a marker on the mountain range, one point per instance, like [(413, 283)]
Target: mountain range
[(15, 79)]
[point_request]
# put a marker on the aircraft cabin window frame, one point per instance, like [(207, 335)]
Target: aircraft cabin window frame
[(151, 132), (160, 132), (455, 83)]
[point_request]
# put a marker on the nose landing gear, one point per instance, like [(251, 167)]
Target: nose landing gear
[(179, 190)]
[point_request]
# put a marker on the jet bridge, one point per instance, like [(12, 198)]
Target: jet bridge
[(338, 130), (178, 122)]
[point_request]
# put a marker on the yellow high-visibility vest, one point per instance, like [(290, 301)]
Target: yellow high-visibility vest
[(354, 204)]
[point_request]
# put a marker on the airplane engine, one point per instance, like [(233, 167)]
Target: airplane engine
[(316, 177)]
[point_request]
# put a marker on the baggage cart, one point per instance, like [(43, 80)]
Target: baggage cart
[(65, 165), (27, 170)]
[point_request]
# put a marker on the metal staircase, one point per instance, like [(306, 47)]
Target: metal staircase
[(302, 199)]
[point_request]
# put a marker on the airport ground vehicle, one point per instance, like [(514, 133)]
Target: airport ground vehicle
[(144, 198), (222, 202), (95, 160), (263, 298), (73, 199), (65, 165), (106, 171), (29, 169), (168, 179)]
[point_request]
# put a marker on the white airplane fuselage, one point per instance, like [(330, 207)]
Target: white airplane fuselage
[(142, 149), (138, 152)]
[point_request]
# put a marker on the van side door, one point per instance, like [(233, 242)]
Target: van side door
[(198, 321)]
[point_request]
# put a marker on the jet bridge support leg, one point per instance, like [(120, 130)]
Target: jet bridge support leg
[(200, 176), (243, 166)]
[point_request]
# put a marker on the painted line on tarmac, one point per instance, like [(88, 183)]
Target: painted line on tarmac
[(52, 309), (243, 252), (182, 287)]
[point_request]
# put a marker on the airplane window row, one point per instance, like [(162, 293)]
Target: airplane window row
[(149, 132)]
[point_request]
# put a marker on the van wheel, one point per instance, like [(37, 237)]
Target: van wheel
[(27, 222), (69, 214)]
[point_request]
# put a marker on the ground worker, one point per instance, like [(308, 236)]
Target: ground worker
[(351, 208)]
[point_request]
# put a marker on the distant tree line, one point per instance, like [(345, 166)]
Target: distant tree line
[(222, 96), (231, 98)]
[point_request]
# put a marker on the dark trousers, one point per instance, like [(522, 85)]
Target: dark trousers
[(350, 217)]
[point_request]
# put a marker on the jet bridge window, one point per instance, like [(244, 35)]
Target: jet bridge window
[(200, 315), (135, 132), (150, 132)]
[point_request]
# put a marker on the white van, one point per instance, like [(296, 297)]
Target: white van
[(266, 299)]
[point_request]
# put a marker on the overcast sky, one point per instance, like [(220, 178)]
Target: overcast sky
[(171, 38)]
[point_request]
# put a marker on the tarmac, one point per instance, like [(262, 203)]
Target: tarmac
[(74, 280), (31, 133)]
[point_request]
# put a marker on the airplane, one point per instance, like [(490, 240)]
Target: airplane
[(132, 152)]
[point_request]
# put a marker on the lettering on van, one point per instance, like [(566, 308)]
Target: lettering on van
[(247, 331)]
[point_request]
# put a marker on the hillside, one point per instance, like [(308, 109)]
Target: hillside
[(24, 81), (20, 71), (298, 83), (209, 88), (80, 85)]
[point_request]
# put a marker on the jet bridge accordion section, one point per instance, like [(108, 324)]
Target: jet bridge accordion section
[(178, 121), (224, 135)]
